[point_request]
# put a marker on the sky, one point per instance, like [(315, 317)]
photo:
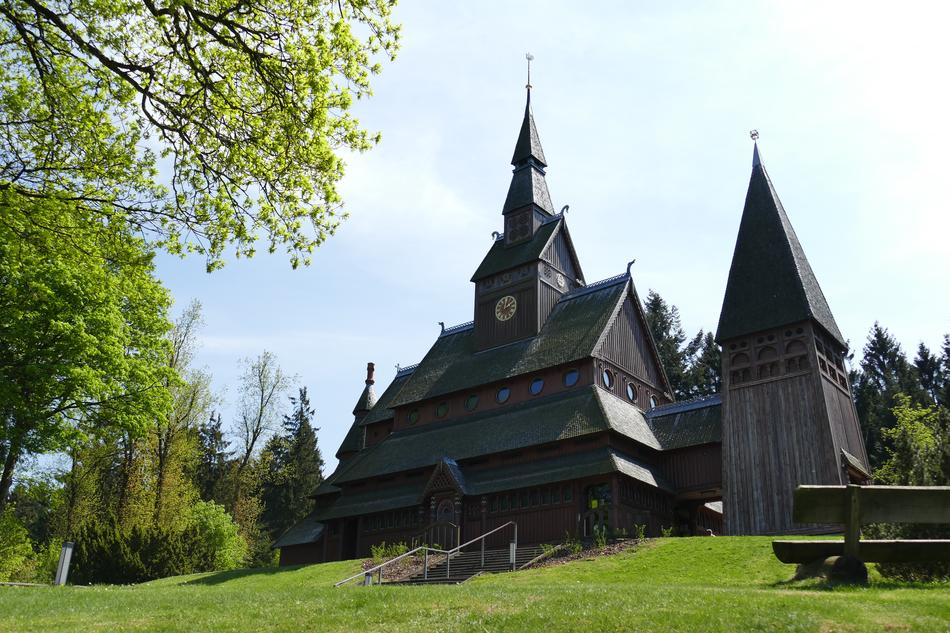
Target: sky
[(644, 112)]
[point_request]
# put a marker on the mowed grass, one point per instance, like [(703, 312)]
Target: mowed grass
[(684, 584)]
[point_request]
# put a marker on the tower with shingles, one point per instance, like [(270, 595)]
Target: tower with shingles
[(788, 416)]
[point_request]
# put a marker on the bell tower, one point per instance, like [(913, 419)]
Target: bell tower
[(533, 263), (788, 416)]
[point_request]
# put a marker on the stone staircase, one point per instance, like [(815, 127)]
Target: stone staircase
[(467, 564)]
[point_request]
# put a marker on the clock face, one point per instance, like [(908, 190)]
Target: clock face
[(505, 308)]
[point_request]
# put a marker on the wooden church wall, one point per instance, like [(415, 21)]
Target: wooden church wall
[(695, 468), (627, 344), (559, 256), (770, 433)]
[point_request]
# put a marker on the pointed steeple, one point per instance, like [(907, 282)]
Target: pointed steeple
[(528, 186), (368, 397), (353, 441), (771, 283)]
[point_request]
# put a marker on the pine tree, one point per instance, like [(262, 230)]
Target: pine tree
[(213, 460), (704, 376), (930, 372), (885, 372), (668, 334), (295, 468)]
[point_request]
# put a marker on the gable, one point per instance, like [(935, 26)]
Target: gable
[(629, 344), (559, 253)]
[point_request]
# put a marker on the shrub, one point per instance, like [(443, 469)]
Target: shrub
[(384, 551), (214, 528), (572, 543), (600, 536), (15, 548), (107, 553), (640, 531), (667, 532)]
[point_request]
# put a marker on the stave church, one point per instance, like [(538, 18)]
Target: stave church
[(551, 409)]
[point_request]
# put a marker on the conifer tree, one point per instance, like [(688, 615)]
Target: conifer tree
[(296, 468), (668, 334)]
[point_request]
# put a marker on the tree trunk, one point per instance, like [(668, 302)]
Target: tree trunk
[(6, 478)]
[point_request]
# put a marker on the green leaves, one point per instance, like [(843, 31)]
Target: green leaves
[(243, 107), (82, 330)]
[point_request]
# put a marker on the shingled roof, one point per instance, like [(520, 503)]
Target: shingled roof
[(501, 257), (570, 333), (308, 530), (561, 416), (688, 423), (381, 411), (770, 282), (562, 468)]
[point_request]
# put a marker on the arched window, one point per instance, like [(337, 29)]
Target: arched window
[(471, 402), (537, 386), (502, 396)]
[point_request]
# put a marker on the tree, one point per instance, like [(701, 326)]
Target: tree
[(82, 333), (213, 456), (247, 104), (704, 375), (263, 383), (664, 322), (884, 373), (174, 440), (930, 372), (296, 468)]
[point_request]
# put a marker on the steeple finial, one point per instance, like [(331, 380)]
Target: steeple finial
[(754, 135), (529, 57)]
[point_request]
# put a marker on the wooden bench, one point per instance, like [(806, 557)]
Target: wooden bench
[(854, 506)]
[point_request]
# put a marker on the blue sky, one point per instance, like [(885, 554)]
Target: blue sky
[(644, 111)]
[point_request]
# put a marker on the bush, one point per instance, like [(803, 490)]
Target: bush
[(107, 553), (214, 527), (384, 551), (15, 548), (640, 531)]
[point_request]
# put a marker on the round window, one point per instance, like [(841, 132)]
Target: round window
[(653, 402), (471, 402), (537, 385), (608, 379), (571, 377), (503, 394), (442, 409), (413, 416), (631, 392)]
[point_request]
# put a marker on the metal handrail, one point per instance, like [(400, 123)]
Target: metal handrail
[(378, 568), (425, 533), (513, 546)]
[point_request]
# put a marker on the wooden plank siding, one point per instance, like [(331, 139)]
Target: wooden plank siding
[(775, 437), (627, 345)]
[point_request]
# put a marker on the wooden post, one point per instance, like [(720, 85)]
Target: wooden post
[(852, 527)]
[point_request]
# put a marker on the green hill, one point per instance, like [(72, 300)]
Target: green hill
[(684, 584)]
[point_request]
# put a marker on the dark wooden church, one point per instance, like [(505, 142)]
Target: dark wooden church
[(552, 409)]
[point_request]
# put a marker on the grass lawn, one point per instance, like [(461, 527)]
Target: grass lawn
[(681, 584)]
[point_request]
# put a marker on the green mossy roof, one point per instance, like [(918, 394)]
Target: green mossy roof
[(353, 503), (562, 416), (381, 411), (501, 257), (563, 468), (770, 281), (570, 333), (687, 423), (308, 530)]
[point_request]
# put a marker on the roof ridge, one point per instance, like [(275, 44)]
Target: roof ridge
[(686, 405), (595, 286), (468, 325), (403, 371)]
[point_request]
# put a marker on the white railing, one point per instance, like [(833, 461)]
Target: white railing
[(367, 575)]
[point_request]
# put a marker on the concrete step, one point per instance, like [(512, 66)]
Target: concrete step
[(467, 564)]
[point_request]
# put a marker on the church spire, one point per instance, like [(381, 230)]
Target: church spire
[(528, 187), (771, 283)]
